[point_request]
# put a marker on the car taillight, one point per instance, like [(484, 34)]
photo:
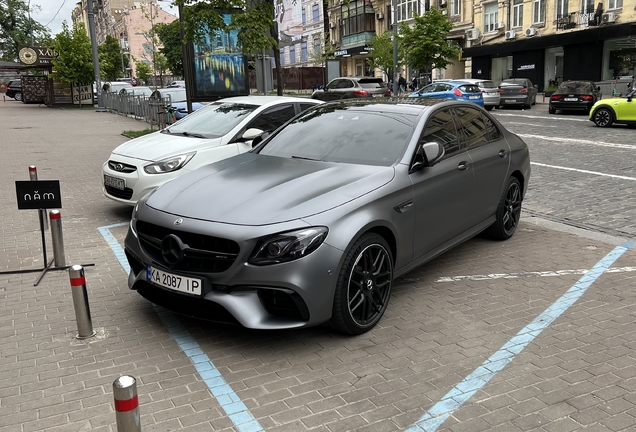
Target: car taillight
[(8, 88), (361, 92), (388, 92), (556, 97), (483, 91), (523, 90), (457, 92), (501, 91), (587, 97)]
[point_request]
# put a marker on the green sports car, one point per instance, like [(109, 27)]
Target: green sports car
[(622, 110)]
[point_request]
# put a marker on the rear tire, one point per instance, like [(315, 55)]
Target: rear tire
[(551, 110), (364, 285), (508, 212), (489, 107), (17, 96), (603, 117)]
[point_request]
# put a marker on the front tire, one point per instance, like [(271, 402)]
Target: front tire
[(18, 96), (364, 285), (603, 117), (508, 212)]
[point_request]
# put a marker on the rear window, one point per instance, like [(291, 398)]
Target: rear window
[(575, 87), (371, 83), (487, 84), (469, 88)]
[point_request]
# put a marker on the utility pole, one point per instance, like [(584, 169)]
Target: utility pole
[(185, 60), (396, 86), (91, 27)]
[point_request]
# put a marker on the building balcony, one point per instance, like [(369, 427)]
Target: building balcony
[(358, 39)]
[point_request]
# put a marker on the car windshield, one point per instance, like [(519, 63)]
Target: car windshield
[(344, 134), (469, 88), (371, 84), (212, 121), (575, 87)]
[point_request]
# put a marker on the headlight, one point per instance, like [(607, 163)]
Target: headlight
[(288, 246), (170, 164)]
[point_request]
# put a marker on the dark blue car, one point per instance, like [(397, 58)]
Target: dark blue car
[(458, 90)]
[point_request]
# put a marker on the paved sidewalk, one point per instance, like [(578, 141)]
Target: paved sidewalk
[(444, 321)]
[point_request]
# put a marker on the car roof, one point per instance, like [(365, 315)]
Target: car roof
[(473, 80), (404, 105), (358, 78), (266, 100)]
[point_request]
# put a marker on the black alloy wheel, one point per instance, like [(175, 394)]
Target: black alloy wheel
[(508, 212), (603, 117), (364, 286)]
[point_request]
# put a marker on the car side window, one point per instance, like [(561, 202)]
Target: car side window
[(494, 134), (440, 128), (472, 126), (443, 87), (305, 106), (333, 84), (428, 89), (347, 84), (272, 118)]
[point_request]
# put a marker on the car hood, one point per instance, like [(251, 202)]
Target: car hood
[(252, 189), (156, 146)]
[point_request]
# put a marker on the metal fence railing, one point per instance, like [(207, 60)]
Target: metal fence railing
[(154, 111)]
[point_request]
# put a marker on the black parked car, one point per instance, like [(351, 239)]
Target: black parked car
[(14, 89), (352, 87), (574, 95)]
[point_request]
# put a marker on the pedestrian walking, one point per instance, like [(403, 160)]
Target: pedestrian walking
[(401, 85)]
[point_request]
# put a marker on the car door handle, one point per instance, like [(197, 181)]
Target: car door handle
[(462, 166), (502, 153)]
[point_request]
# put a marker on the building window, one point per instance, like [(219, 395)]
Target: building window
[(456, 7), (561, 8), (357, 17), (491, 16), (303, 51), (406, 9), (615, 4), (282, 56), (538, 11), (317, 46), (517, 13), (316, 13), (587, 7), (304, 16), (292, 54)]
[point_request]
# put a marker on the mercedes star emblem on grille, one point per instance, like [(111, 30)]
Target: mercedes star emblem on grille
[(172, 249)]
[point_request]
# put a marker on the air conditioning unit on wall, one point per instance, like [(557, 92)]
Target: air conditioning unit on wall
[(472, 34), (531, 31), (510, 34), (608, 17), (500, 25)]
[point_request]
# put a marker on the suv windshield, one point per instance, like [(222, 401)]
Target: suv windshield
[(343, 134), (212, 121)]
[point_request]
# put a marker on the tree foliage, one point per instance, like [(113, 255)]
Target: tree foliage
[(424, 45), (75, 62), (143, 70), (382, 54), (16, 29), (110, 59), (172, 46)]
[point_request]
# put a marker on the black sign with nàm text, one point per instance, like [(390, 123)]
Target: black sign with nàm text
[(40, 194)]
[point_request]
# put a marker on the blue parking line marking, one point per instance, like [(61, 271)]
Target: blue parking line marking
[(454, 399), (235, 409)]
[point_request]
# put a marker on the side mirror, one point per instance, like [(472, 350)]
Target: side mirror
[(259, 139), (251, 134), (428, 154)]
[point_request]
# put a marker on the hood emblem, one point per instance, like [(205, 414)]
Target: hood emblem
[(172, 249), (119, 167), (178, 221)]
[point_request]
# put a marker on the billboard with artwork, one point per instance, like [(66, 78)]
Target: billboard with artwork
[(219, 67), (289, 16)]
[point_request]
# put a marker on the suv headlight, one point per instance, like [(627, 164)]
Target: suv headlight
[(170, 164), (288, 246)]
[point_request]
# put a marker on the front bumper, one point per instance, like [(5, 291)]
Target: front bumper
[(289, 295)]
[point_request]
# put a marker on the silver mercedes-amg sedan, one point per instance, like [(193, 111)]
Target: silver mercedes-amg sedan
[(313, 225)]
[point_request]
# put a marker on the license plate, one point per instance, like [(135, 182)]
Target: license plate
[(473, 97), (173, 282), (510, 100), (571, 99), (378, 95), (117, 183)]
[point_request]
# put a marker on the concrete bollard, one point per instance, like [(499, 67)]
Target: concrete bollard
[(80, 302), (58, 239), (126, 404), (33, 176)]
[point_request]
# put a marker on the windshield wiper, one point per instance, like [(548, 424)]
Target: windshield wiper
[(190, 134), (307, 158)]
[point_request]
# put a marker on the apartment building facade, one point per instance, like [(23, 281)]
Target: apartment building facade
[(301, 34)]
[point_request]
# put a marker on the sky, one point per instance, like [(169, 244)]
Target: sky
[(54, 12)]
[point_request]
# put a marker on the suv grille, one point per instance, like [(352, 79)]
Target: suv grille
[(202, 253), (121, 167)]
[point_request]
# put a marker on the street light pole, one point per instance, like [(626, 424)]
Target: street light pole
[(395, 50), (91, 28)]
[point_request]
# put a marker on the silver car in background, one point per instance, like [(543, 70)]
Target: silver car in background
[(489, 91), (313, 225)]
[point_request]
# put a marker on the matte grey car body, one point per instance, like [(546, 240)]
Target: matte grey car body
[(519, 92), (315, 223)]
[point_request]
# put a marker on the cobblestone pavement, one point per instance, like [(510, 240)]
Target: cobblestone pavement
[(445, 320)]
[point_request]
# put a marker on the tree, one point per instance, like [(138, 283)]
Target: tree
[(382, 54), (424, 46), (144, 71), (172, 45), (17, 29), (75, 61), (110, 59), (160, 66)]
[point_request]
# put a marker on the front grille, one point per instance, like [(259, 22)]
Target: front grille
[(118, 193), (121, 167), (203, 253)]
